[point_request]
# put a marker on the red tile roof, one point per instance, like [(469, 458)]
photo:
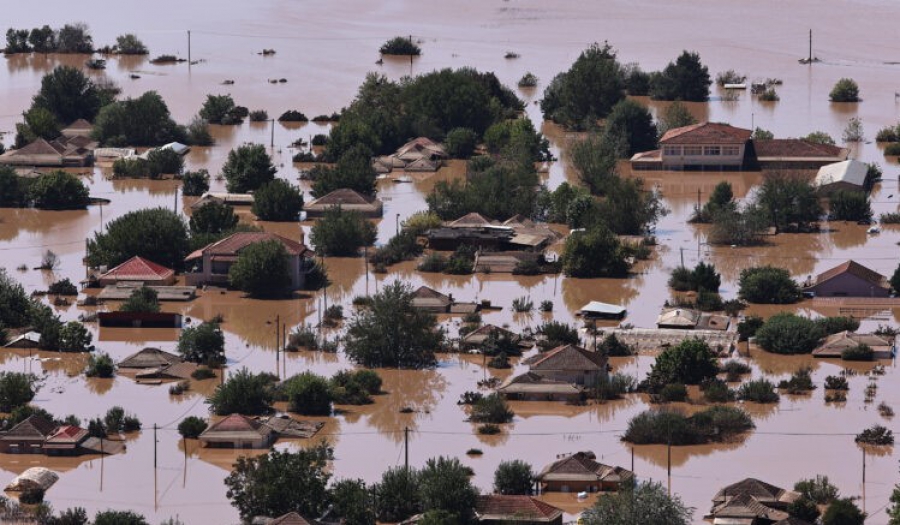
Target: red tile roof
[(292, 518), (237, 423), (796, 148), (139, 269), (857, 270), (706, 133), (515, 508), (233, 244), (568, 357), (67, 434)]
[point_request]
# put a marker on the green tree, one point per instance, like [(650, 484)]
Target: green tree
[(400, 46), (516, 138), (165, 161), (850, 206), (353, 171), (352, 501), (631, 124), (100, 365), (280, 482), (689, 363), (217, 108), (843, 512), (243, 393), (768, 285), (646, 503), (261, 270), (895, 280), (819, 490), (820, 137), (845, 90), (685, 79), (789, 202), (594, 253), (195, 183), (74, 38), (191, 427), (738, 227), (141, 121), (341, 233), (42, 39), (204, 343), (514, 477), (397, 495), (13, 189), (391, 333), (587, 92), (804, 509), (130, 44), (58, 190), (198, 133), (74, 337), (248, 167), (594, 159), (720, 200), (444, 485), (213, 217), (442, 100), (460, 143), (277, 201), (308, 394), (69, 94), (628, 209), (16, 390), (786, 333), (157, 234), (142, 299), (73, 516), (119, 517), (38, 122), (676, 115), (491, 408), (17, 41)]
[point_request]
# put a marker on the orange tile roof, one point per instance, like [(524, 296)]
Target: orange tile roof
[(138, 269), (233, 244), (567, 357), (706, 133), (515, 508), (796, 148)]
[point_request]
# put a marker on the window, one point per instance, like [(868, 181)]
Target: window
[(672, 150), (731, 151), (693, 151), (712, 151)]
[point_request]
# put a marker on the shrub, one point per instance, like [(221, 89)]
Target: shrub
[(491, 409), (460, 143), (191, 427), (758, 391), (730, 77), (204, 343), (671, 393), (100, 365), (342, 233), (819, 137), (261, 270), (400, 46), (522, 304), (489, 429), (610, 387), (528, 80), (892, 149), (142, 299), (277, 200), (716, 391), (689, 362), (195, 183), (799, 383), (768, 285), (31, 496), (850, 206), (717, 423), (836, 383), (854, 131), (819, 490), (303, 337), (556, 334), (887, 134), (58, 190), (769, 95), (219, 109), (594, 253), (786, 333), (243, 393), (63, 287), (514, 477), (401, 247), (546, 306), (198, 132), (876, 435), (748, 326), (247, 168), (203, 373), (308, 393), (258, 115), (845, 90), (859, 352), (293, 115)]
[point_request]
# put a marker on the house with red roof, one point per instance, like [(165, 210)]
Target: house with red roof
[(496, 509), (66, 440), (210, 265), (849, 279), (138, 269)]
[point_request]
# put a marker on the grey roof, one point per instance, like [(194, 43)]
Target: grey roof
[(150, 358)]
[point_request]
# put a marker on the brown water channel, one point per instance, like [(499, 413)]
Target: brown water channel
[(324, 49)]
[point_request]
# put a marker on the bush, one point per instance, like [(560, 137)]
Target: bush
[(786, 333), (892, 149), (293, 115), (689, 362), (460, 143), (203, 373), (341, 233), (671, 393), (718, 423), (859, 352), (594, 253), (203, 344), (277, 200), (843, 512), (489, 429), (157, 234), (143, 300), (261, 270), (191, 427), (730, 77), (702, 277), (433, 263), (195, 183), (100, 365), (242, 393), (219, 109), (491, 409), (769, 95), (799, 383), (556, 334), (579, 97), (758, 391), (63, 287), (845, 90), (876, 435), (819, 490), (836, 383), (850, 206), (31, 496), (528, 80), (247, 168), (117, 421), (258, 115), (611, 346), (58, 190), (748, 326), (401, 247), (522, 304), (716, 391), (888, 134), (546, 306), (198, 132), (768, 285), (400, 46), (308, 393), (141, 121), (610, 387)]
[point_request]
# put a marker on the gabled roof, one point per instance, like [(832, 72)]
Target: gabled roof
[(427, 294), (292, 518), (237, 425), (494, 507), (38, 147), (182, 370), (485, 331), (582, 466), (471, 219), (421, 145), (67, 434), (835, 344), (149, 358), (796, 149), (746, 506), (34, 477), (232, 245), (760, 490), (679, 317), (857, 270), (32, 427), (848, 171), (139, 269), (28, 338), (600, 308), (706, 133), (286, 426), (531, 383), (80, 124), (567, 357), (343, 196)]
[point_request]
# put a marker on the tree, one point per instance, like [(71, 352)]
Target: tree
[(514, 477), (628, 209), (198, 132), (203, 344), (789, 202), (141, 121), (195, 183), (74, 337), (397, 495), (400, 46), (142, 299), (720, 200), (843, 512), (191, 427), (854, 131), (804, 509), (786, 333), (819, 490), (516, 138), (676, 115), (444, 485), (16, 390), (58, 190), (157, 234), (819, 137), (391, 333), (586, 92), (248, 167), (630, 123), (37, 123), (342, 233), (353, 171), (74, 38), (69, 94), (42, 39), (352, 501), (130, 44), (261, 270), (119, 517), (308, 394), (845, 90), (850, 206), (214, 218), (895, 281), (702, 277), (739, 227), (646, 503), (217, 109), (688, 363), (16, 41), (594, 253), (460, 143), (165, 161), (73, 516), (491, 409), (277, 201), (13, 189), (242, 393), (280, 482), (685, 79), (768, 285)]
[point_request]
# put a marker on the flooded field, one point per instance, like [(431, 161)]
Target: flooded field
[(324, 50)]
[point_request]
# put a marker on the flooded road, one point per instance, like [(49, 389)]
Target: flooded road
[(324, 50)]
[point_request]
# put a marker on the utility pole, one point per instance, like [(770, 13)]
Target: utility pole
[(406, 447), (189, 48), (175, 207), (154, 447), (809, 60), (682, 257), (272, 140), (632, 460), (698, 199)]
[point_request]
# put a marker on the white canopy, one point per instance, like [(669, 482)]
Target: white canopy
[(598, 308), (849, 171)]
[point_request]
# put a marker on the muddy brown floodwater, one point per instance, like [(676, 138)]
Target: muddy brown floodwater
[(324, 50)]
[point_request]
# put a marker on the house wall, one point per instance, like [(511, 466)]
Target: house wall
[(578, 486), (578, 377), (542, 397), (678, 156), (22, 446), (847, 285), (216, 273)]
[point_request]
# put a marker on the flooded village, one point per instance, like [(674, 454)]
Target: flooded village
[(620, 262)]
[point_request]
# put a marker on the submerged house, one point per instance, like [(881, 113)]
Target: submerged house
[(348, 200), (149, 358), (139, 270), (535, 387), (580, 472), (835, 344), (848, 175), (751, 502), (210, 265), (291, 518), (849, 279), (62, 152), (477, 337), (237, 431), (79, 128), (600, 310), (689, 319), (473, 229), (221, 197), (496, 509), (26, 340), (28, 436), (37, 435), (33, 478), (431, 300), (569, 363), (421, 154)]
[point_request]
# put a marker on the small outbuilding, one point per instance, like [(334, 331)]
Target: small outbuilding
[(848, 175), (431, 300), (600, 310), (33, 478), (534, 387), (348, 200), (149, 358), (683, 318), (26, 340)]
